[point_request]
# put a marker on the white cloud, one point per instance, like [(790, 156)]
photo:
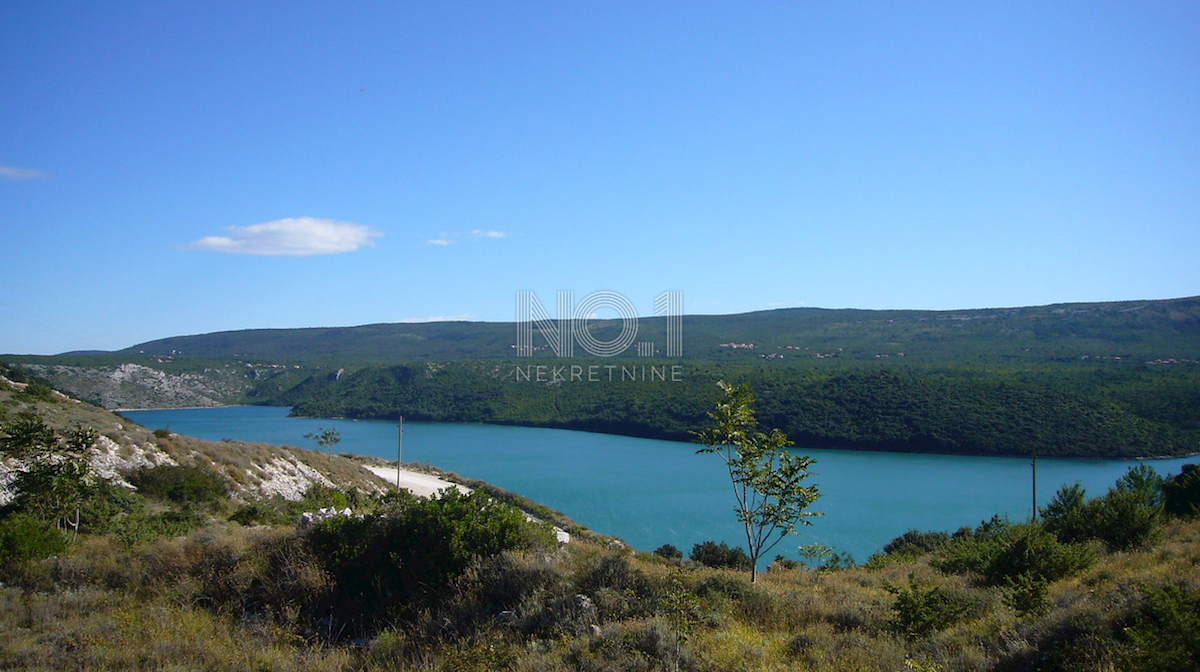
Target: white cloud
[(453, 237), (18, 174), (293, 237)]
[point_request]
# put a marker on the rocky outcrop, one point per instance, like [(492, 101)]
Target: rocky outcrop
[(128, 386)]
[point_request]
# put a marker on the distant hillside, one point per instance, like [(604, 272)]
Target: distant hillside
[(1142, 330), (1083, 380)]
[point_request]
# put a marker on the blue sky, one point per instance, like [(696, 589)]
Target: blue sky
[(174, 168)]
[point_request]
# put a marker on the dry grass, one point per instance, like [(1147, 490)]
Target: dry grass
[(182, 604)]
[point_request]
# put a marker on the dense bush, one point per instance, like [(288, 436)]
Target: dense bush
[(37, 390), (920, 611), (144, 526), (394, 564), (52, 488), (618, 589), (915, 542), (1181, 494), (107, 507), (26, 434), (1128, 516), (669, 552), (712, 554), (1002, 554), (24, 537), (181, 484), (1166, 631)]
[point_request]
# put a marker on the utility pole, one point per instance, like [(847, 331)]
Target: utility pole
[(399, 447)]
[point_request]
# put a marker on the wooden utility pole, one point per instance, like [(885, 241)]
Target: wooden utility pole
[(399, 448)]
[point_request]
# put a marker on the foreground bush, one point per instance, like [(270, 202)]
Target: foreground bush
[(392, 565), (1181, 495), (1129, 516), (23, 537), (1001, 554)]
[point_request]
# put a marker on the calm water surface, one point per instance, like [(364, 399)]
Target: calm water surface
[(651, 492)]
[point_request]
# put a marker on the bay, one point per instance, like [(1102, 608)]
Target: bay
[(650, 492)]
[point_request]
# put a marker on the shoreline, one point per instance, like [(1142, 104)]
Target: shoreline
[(1138, 458), (173, 408)]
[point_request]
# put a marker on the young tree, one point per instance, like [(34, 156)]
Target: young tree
[(325, 438), (767, 480)]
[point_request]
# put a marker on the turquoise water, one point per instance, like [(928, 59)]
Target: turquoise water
[(651, 492)]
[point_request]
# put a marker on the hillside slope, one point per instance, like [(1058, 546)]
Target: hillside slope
[(252, 469)]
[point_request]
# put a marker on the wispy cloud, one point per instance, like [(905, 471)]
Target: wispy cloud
[(438, 318), (450, 238), (21, 174), (293, 237)]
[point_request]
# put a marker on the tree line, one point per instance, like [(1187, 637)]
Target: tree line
[(1059, 411)]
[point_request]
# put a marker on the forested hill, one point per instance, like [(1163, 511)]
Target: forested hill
[(1069, 380), (1141, 330)]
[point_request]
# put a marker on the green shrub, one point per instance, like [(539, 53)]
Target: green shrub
[(669, 552), (1018, 553), (1145, 482), (781, 563), (143, 527), (264, 512), (971, 551), (1031, 551), (721, 585), (920, 611), (395, 564), (1124, 521), (916, 543), (533, 589), (53, 489), (25, 435), (106, 508), (24, 537), (632, 646), (1181, 494), (1166, 631), (181, 484), (618, 589), (1027, 594), (712, 554), (37, 391), (1127, 517), (1065, 515)]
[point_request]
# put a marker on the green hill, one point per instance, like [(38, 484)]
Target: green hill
[(1140, 330), (1082, 380)]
